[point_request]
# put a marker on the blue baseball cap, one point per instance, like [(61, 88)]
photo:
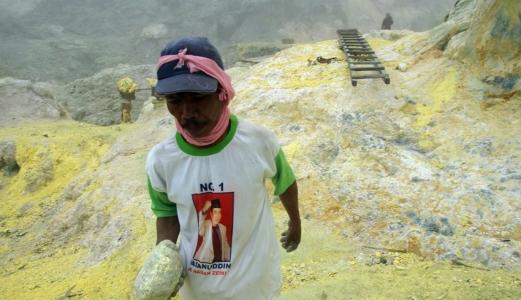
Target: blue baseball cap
[(173, 78)]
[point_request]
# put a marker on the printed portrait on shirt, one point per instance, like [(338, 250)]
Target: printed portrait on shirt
[(215, 219)]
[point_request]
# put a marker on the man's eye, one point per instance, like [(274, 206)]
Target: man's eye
[(201, 96), (173, 100)]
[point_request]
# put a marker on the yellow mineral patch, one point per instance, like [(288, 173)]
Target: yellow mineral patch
[(291, 151), (377, 44), (44, 278), (298, 73), (52, 277), (126, 85), (64, 272), (68, 148), (411, 43), (441, 93), (300, 78), (259, 83)]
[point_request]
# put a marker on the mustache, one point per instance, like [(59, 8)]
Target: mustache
[(192, 123)]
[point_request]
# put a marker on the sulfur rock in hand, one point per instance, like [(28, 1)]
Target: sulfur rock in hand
[(162, 274)]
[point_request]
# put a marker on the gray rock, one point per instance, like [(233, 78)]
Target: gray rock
[(248, 51), (482, 147), (402, 67), (390, 35), (96, 99), (462, 12), (491, 31), (511, 177), (106, 235), (154, 31), (161, 275), (41, 174), (24, 101), (8, 162)]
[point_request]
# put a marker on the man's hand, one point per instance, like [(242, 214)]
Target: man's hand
[(206, 207), (179, 284), (291, 238)]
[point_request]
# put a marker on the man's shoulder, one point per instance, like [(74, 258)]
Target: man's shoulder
[(250, 128), (168, 145), (255, 136)]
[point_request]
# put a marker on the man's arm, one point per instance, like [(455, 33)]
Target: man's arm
[(202, 217), (167, 228), (291, 237)]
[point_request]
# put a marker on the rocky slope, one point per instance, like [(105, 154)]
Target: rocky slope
[(65, 40), (96, 99), (407, 191), (24, 100)]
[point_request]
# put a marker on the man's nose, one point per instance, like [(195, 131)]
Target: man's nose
[(188, 108)]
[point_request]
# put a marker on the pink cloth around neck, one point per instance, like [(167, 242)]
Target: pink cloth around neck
[(218, 131), (226, 93)]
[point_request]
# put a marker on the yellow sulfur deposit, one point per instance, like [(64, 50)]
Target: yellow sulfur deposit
[(377, 44), (127, 85), (151, 82), (69, 148), (442, 92)]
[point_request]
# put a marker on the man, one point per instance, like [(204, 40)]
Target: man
[(214, 246), (216, 155), (387, 22), (127, 90)]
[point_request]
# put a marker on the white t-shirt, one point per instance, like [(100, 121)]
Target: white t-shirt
[(230, 250)]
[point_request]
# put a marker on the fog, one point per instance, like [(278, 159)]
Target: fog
[(61, 40)]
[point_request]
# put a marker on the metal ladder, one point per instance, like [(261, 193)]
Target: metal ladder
[(361, 59)]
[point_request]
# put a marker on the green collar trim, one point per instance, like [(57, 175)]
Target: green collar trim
[(197, 151)]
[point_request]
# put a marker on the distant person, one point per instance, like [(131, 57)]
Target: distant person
[(127, 90), (387, 22)]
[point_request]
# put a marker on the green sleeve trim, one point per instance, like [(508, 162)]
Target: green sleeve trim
[(284, 176), (161, 206)]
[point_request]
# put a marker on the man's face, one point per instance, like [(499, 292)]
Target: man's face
[(196, 113), (216, 216)]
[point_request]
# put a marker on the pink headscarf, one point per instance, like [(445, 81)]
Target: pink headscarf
[(226, 93)]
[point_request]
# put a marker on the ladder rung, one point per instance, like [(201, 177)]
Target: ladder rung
[(374, 62), (361, 55), (368, 76), (367, 68), (358, 47), (363, 58), (361, 51)]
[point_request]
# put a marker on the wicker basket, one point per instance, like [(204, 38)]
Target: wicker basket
[(127, 96)]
